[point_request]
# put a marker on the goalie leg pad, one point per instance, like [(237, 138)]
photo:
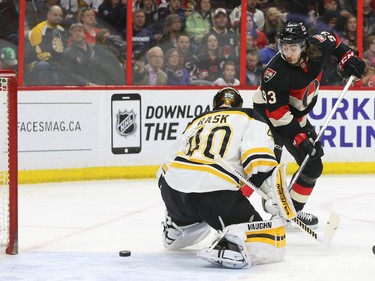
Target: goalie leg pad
[(178, 237), (266, 241), (248, 244), (229, 251)]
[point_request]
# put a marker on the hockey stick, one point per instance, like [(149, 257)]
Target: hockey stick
[(332, 223), (324, 127)]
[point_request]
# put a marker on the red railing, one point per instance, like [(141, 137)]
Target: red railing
[(242, 64)]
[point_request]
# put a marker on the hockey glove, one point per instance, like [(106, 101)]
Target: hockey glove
[(307, 145), (270, 207), (352, 65)]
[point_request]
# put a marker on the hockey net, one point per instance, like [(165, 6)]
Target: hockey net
[(8, 163)]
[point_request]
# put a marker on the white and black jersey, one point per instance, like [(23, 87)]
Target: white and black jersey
[(239, 136)]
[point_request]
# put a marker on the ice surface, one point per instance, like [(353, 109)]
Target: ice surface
[(74, 231)]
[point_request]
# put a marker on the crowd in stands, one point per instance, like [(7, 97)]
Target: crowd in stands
[(177, 42)]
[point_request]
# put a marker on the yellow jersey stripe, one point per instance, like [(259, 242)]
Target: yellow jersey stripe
[(260, 162), (258, 150)]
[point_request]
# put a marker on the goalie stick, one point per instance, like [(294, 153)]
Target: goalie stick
[(332, 223)]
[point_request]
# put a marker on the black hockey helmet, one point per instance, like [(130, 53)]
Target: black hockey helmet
[(293, 33), (227, 97)]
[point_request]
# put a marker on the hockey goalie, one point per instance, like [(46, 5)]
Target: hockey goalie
[(200, 194)]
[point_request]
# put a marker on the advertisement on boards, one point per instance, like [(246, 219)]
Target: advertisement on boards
[(76, 129)]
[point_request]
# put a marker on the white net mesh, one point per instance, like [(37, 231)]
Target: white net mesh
[(4, 163)]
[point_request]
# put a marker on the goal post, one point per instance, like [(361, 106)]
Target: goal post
[(8, 163)]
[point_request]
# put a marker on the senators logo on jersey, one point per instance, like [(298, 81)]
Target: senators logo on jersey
[(268, 74)]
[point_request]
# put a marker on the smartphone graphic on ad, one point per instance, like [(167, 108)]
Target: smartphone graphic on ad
[(126, 123)]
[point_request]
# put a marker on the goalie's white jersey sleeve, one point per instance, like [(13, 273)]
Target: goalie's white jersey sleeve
[(237, 135)]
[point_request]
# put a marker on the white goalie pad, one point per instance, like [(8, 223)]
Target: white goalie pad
[(280, 194), (227, 250), (175, 237), (256, 243), (266, 240)]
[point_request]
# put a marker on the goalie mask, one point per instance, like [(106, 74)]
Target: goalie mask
[(227, 97)]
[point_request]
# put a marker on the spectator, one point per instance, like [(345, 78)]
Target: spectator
[(143, 39), (258, 36), (267, 53), (199, 22), (49, 42), (35, 12), (368, 79), (274, 22), (257, 15), (93, 4), (188, 6), (114, 13), (229, 75), (210, 59), (109, 70), (8, 59), (369, 52), (349, 36), (112, 43), (227, 39), (171, 31), (251, 41), (187, 58), (177, 75), (368, 19), (70, 7), (334, 6), (328, 22), (78, 57), (173, 7), (150, 7), (254, 70), (88, 18), (150, 74), (348, 7)]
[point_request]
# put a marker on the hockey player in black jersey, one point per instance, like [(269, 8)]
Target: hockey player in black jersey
[(289, 91)]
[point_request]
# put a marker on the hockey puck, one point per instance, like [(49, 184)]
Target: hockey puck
[(124, 253), (373, 249)]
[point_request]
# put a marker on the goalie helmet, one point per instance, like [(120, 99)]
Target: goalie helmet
[(227, 97), (293, 33)]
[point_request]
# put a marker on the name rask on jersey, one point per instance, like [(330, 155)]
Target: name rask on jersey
[(219, 118)]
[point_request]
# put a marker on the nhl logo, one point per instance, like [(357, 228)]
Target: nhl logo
[(126, 123)]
